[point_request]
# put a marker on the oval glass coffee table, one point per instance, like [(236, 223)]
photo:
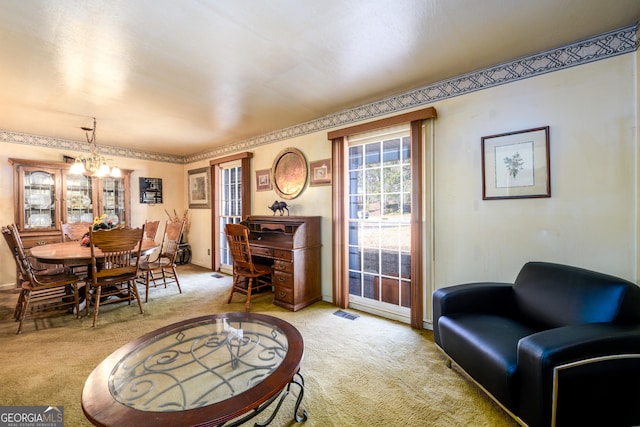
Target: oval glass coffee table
[(221, 369)]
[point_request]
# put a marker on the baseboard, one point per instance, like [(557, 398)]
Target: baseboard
[(8, 287)]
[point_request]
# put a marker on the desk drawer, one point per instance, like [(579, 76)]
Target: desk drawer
[(281, 265), (282, 279), (284, 294), (279, 253), (260, 251)]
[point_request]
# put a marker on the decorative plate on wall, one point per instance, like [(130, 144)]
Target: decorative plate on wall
[(289, 173)]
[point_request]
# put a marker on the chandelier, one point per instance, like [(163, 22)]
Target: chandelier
[(94, 163)]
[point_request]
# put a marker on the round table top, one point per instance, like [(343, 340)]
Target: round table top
[(201, 371), (75, 253)]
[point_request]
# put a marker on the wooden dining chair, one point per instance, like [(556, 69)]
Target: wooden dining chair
[(243, 265), (151, 229), (40, 292), (165, 263), (115, 256), (74, 232)]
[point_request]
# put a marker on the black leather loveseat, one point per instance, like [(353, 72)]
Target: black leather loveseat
[(560, 346)]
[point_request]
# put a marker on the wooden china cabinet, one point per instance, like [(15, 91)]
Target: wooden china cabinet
[(45, 194)]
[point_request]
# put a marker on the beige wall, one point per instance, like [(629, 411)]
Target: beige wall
[(590, 220)]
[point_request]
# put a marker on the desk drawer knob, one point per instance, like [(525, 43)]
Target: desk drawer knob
[(282, 294)]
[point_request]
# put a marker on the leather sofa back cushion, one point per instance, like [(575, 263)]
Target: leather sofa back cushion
[(553, 295)]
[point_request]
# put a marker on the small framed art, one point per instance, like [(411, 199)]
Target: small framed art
[(199, 191), (515, 165), (320, 172), (263, 180), (150, 190)]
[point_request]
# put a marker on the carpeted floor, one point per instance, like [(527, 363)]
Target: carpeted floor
[(365, 371)]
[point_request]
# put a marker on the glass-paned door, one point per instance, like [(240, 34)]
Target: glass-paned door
[(380, 221), (78, 206), (39, 207), (230, 207)]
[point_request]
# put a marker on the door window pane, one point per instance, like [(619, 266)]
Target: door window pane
[(230, 206), (379, 212)]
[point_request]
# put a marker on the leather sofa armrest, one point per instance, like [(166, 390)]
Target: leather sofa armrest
[(540, 353), (480, 297)]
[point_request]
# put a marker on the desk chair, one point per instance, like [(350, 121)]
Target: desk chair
[(113, 274), (40, 293), (165, 263), (243, 265)]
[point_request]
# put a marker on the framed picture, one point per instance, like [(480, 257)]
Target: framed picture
[(515, 165), (150, 190), (199, 191), (263, 180), (320, 172)]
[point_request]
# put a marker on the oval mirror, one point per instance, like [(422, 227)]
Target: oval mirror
[(289, 173)]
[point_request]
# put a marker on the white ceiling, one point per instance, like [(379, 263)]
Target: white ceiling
[(184, 76)]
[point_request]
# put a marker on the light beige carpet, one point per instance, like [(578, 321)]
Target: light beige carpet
[(364, 372)]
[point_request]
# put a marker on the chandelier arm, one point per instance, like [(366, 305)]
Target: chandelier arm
[(95, 163)]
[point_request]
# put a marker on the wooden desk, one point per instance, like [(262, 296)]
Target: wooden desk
[(73, 253), (292, 245)]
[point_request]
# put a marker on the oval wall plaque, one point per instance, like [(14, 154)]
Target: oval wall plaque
[(289, 173)]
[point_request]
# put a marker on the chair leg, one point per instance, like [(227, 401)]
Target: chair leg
[(132, 283), (175, 276), (164, 277), (233, 288), (25, 308), (146, 283), (153, 278), (76, 300), (247, 306), (96, 304), (19, 304)]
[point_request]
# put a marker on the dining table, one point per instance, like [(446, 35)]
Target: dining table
[(73, 253)]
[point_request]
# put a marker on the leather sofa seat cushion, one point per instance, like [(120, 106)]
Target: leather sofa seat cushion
[(485, 347)]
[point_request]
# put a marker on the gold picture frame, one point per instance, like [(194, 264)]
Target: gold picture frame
[(320, 172), (199, 189), (263, 180), (515, 165)]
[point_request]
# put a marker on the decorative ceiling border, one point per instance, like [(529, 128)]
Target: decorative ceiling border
[(78, 146), (603, 46)]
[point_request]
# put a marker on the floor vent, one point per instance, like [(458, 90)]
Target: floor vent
[(346, 315), (217, 276)]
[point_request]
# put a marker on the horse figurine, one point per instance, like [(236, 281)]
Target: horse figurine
[(279, 206)]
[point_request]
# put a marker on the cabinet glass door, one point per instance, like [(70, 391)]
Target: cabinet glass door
[(113, 200), (39, 204), (79, 198)]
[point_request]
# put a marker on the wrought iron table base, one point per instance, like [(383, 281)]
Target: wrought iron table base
[(285, 392)]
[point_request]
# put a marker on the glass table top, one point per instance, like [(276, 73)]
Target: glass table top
[(198, 364)]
